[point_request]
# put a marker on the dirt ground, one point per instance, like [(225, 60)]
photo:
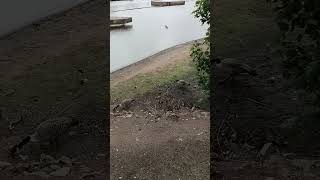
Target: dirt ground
[(42, 68), (163, 134), (263, 128)]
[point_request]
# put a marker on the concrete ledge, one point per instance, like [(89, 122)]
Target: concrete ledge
[(16, 14), (167, 3), (120, 20)]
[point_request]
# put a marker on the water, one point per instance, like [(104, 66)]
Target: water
[(147, 34), (15, 14)]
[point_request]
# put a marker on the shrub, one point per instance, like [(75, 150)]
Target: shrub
[(200, 52), (299, 22)]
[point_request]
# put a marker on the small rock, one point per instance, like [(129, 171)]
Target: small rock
[(200, 133), (46, 158), (271, 80), (265, 150), (24, 157), (61, 172), (172, 116), (183, 83), (269, 178), (179, 139), (65, 160), (83, 81), (54, 167), (4, 164)]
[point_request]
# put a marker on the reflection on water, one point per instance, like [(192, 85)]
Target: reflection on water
[(129, 5), (147, 34)]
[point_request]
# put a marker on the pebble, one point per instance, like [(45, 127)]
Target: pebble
[(24, 157), (46, 158), (179, 139)]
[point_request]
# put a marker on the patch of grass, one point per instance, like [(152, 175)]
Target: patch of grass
[(146, 82)]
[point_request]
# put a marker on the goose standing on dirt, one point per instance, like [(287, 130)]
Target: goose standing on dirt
[(47, 131), (234, 67)]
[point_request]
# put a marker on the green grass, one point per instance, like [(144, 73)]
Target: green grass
[(149, 81)]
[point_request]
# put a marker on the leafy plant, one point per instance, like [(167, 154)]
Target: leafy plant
[(299, 22), (200, 52)]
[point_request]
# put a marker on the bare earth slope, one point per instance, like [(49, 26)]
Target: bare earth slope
[(42, 68), (163, 135)]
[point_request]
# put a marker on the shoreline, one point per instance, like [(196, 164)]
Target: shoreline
[(151, 63)]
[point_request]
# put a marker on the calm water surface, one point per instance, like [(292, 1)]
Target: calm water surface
[(147, 34)]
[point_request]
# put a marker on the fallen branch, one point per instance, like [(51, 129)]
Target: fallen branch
[(260, 103)]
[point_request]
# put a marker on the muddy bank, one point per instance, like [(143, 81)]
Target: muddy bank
[(154, 63), (56, 68)]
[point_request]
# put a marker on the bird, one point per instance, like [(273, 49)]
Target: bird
[(47, 131), (124, 105), (234, 66), (166, 26)]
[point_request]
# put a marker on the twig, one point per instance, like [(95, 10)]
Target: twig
[(260, 103), (15, 123), (218, 141)]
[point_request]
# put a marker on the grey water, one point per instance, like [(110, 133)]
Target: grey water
[(148, 34)]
